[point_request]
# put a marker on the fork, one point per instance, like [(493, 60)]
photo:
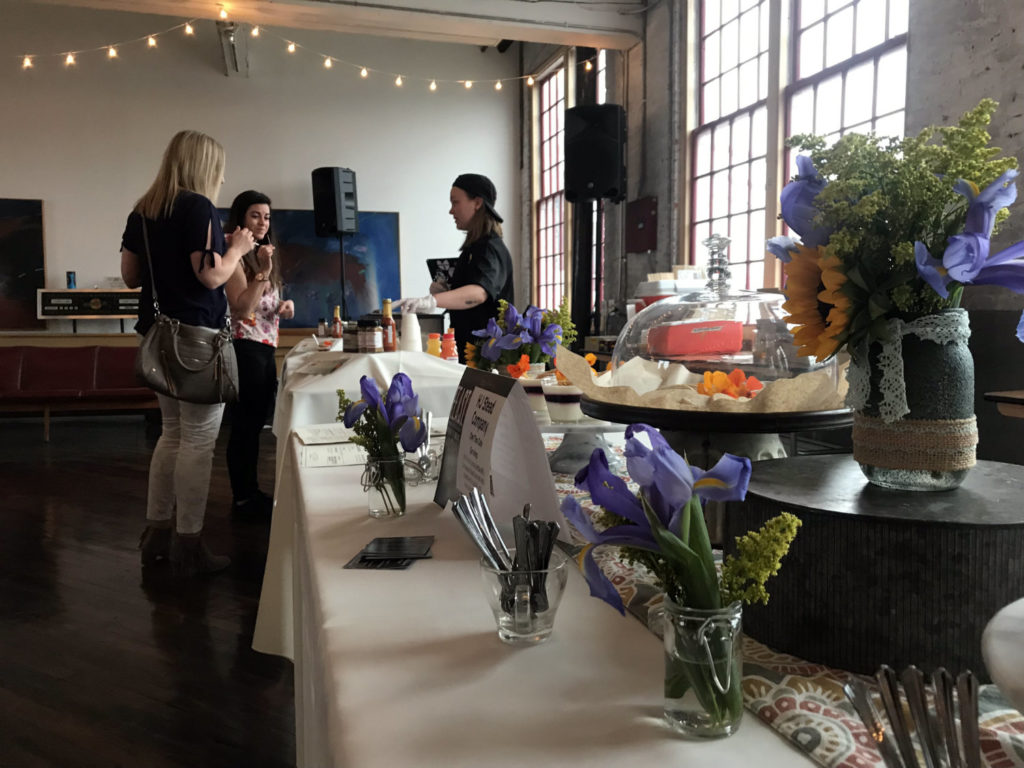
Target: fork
[(857, 692), (942, 743)]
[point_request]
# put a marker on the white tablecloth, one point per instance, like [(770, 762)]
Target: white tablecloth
[(313, 399), (404, 668)]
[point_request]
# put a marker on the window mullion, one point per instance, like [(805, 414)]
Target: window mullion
[(782, 16)]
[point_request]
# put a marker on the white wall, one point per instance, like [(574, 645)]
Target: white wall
[(87, 140)]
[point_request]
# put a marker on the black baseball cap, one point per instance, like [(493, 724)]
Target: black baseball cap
[(477, 185)]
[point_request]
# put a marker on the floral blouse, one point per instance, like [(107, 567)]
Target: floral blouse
[(262, 325)]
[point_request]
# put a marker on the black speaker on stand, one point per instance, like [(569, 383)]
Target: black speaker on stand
[(595, 169), (336, 212)]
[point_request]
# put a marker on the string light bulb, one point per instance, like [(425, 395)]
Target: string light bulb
[(364, 72), (26, 63), (223, 13), (529, 80), (69, 60), (111, 52), (327, 63), (398, 81), (468, 84), (433, 85), (291, 47), (188, 29), (588, 65), (497, 85), (255, 32), (151, 41)]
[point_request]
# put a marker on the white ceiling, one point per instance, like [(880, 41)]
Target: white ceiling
[(613, 24)]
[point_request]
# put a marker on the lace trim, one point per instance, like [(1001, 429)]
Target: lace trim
[(944, 328)]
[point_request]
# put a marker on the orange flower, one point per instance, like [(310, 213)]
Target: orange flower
[(591, 359), (735, 384), (519, 369), (470, 355)]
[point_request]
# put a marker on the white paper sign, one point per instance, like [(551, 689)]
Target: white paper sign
[(493, 444), (475, 447)]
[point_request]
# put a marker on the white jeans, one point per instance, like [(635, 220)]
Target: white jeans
[(179, 473)]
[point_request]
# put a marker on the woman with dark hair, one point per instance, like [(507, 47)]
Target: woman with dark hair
[(483, 273), (254, 295), (175, 226)]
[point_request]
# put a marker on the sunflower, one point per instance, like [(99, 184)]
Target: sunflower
[(816, 302)]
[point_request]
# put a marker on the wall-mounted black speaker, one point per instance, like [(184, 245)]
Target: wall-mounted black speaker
[(595, 147), (335, 210)]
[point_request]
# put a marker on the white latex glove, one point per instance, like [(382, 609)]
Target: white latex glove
[(417, 306)]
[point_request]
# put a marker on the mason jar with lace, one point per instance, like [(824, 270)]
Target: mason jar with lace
[(914, 426)]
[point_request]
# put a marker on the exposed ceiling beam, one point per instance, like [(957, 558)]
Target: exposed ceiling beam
[(617, 24)]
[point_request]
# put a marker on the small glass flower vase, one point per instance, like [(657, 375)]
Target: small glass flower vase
[(703, 669), (384, 482)]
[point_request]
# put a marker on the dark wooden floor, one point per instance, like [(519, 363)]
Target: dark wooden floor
[(100, 667)]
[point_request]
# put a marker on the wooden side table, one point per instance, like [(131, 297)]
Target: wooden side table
[(885, 577)]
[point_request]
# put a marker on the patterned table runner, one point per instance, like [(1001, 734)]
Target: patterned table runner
[(803, 701)]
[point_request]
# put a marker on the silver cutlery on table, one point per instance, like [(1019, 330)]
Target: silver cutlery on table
[(938, 720), (857, 692), (534, 540)]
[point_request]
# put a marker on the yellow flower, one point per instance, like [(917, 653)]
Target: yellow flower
[(470, 350), (816, 302)]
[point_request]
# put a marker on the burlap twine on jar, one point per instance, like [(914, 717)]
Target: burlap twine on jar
[(940, 445)]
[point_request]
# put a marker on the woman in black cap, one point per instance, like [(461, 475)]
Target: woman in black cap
[(483, 273)]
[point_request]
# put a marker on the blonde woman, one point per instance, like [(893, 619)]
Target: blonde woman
[(192, 259), (483, 273)]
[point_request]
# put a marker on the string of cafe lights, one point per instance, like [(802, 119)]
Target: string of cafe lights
[(28, 60)]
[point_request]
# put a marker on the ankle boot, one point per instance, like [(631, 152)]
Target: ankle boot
[(191, 557), (155, 544)]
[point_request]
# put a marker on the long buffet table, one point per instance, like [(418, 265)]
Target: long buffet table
[(404, 668)]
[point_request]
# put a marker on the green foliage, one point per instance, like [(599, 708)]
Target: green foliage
[(883, 194), (758, 557), (683, 567), (562, 317)]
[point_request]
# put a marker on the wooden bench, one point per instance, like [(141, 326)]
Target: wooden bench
[(69, 379)]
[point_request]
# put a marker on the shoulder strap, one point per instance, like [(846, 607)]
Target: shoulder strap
[(149, 261)]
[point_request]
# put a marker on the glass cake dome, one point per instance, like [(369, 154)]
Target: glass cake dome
[(718, 329)]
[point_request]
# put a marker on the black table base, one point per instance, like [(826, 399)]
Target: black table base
[(885, 577)]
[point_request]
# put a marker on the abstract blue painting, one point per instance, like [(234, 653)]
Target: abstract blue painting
[(311, 266)]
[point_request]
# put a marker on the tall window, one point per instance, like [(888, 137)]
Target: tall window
[(549, 275), (848, 73), (849, 67), (729, 147)]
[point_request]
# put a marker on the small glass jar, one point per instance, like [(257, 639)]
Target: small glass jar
[(384, 482), (562, 401), (703, 668)]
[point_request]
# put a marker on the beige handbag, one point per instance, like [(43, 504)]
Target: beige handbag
[(187, 362)]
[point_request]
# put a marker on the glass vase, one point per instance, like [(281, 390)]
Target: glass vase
[(384, 482), (930, 447), (703, 669)]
